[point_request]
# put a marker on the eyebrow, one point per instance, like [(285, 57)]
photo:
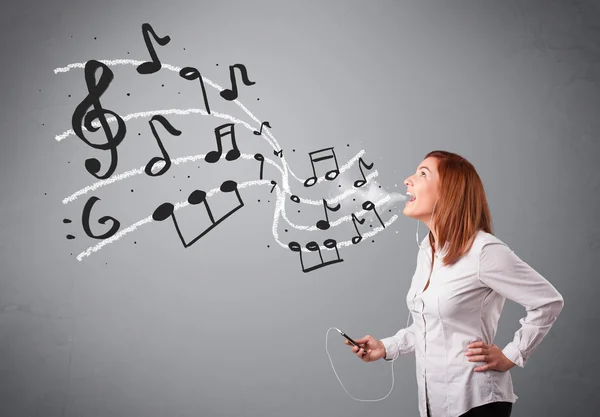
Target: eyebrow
[(424, 167)]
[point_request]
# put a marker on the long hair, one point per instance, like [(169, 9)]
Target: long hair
[(462, 209)]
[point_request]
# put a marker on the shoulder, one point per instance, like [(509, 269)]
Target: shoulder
[(484, 239)]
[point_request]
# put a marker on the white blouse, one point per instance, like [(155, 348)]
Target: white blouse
[(462, 305)]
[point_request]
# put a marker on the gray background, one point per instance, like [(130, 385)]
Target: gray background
[(231, 325)]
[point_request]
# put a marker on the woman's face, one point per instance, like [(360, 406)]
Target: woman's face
[(423, 185)]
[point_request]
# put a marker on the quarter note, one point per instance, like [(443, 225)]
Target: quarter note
[(165, 156), (191, 74), (150, 67), (166, 210), (369, 206), (261, 126), (260, 158), (233, 154), (232, 94), (86, 221), (357, 238), (330, 175), (314, 247), (361, 163), (324, 224), (82, 117)]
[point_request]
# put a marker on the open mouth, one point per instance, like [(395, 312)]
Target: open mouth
[(411, 200)]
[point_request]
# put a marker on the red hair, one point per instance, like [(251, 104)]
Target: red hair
[(462, 209)]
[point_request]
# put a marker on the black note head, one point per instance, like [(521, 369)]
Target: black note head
[(163, 212), (92, 165), (228, 186), (197, 197), (294, 246), (189, 73), (368, 205), (259, 157), (323, 225), (330, 243), (312, 246)]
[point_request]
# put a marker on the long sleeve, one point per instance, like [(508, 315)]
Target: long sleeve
[(406, 343), (504, 272)]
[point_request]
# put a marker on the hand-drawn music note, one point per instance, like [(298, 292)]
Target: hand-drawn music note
[(295, 198), (324, 224), (314, 247), (330, 175), (81, 117), (150, 67), (369, 206), (358, 238), (273, 183), (233, 154), (86, 221), (361, 163), (191, 74), (232, 94), (278, 153), (260, 158), (165, 156), (166, 210), (261, 126)]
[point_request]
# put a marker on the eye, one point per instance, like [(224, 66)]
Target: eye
[(422, 172)]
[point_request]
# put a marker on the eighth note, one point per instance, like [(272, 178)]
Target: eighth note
[(261, 126), (233, 154), (232, 94), (165, 156), (369, 206), (154, 65), (324, 224), (361, 163), (261, 158), (358, 238)]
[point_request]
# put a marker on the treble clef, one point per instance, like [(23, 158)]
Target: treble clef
[(82, 117)]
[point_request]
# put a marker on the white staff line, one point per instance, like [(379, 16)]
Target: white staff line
[(279, 207), (191, 158)]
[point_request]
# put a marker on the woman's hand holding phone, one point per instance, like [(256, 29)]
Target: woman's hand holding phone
[(369, 349)]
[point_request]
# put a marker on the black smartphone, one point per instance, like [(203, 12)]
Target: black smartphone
[(349, 339)]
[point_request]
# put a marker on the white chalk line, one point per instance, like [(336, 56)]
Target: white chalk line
[(279, 207), (191, 158)]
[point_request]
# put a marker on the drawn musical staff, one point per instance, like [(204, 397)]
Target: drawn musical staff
[(191, 74), (81, 116), (232, 94), (165, 156), (361, 163), (150, 67), (324, 224), (295, 198), (233, 154), (166, 210), (314, 247), (356, 239), (369, 206), (330, 175), (261, 126), (278, 153), (273, 183), (260, 158), (86, 221)]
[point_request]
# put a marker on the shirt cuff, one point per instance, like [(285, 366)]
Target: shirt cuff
[(514, 354), (390, 348)]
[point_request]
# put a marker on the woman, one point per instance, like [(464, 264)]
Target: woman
[(464, 275)]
